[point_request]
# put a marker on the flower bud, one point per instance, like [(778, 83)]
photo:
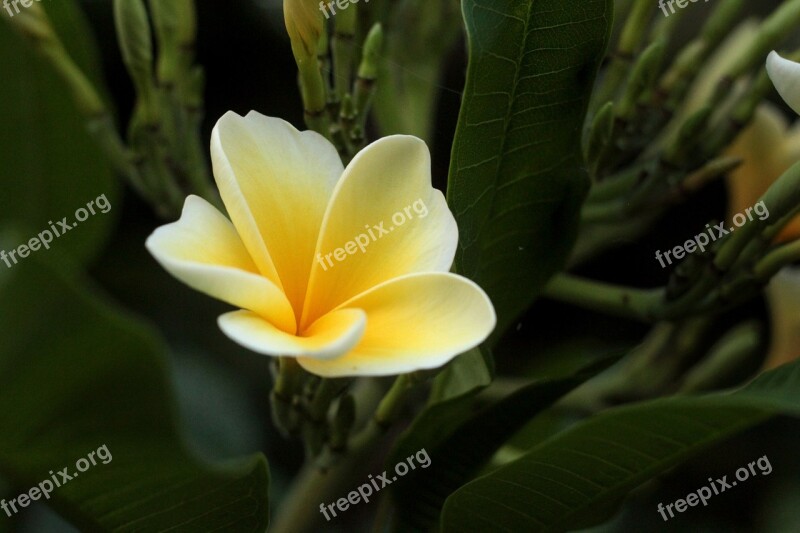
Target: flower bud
[(304, 25), (176, 28), (135, 42), (373, 46)]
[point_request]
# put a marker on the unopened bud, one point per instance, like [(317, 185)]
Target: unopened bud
[(373, 45), (135, 41), (304, 26), (176, 28)]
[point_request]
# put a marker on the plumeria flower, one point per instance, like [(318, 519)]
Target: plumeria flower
[(785, 76), (385, 308), (784, 288), (767, 148)]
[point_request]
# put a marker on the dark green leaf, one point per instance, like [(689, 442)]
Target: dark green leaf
[(516, 178), (451, 402), (466, 374), (460, 442), (54, 167), (76, 375), (576, 478), (452, 399)]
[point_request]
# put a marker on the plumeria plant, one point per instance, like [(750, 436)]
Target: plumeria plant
[(388, 342)]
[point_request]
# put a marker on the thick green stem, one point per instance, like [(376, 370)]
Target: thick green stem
[(343, 51), (312, 89), (287, 383), (627, 302), (314, 485), (776, 260), (632, 34)]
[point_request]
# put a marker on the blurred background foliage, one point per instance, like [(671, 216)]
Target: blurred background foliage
[(158, 337)]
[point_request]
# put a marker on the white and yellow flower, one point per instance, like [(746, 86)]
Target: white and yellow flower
[(767, 148), (393, 309), (783, 292), (769, 145), (785, 76)]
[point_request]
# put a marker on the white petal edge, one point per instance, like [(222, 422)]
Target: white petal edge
[(238, 208), (330, 337), (785, 75), (441, 315), (185, 250)]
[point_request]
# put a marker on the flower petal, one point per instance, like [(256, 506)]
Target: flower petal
[(760, 146), (768, 148), (385, 220), (331, 336), (785, 75), (414, 322), (203, 250), (276, 183)]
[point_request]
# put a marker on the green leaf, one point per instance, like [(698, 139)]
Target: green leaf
[(466, 374), (54, 168), (459, 442), (575, 479), (516, 179), (451, 400), (419, 36), (76, 375)]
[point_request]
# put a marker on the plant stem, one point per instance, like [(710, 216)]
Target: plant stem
[(776, 260), (630, 39), (287, 383), (627, 302), (314, 485)]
